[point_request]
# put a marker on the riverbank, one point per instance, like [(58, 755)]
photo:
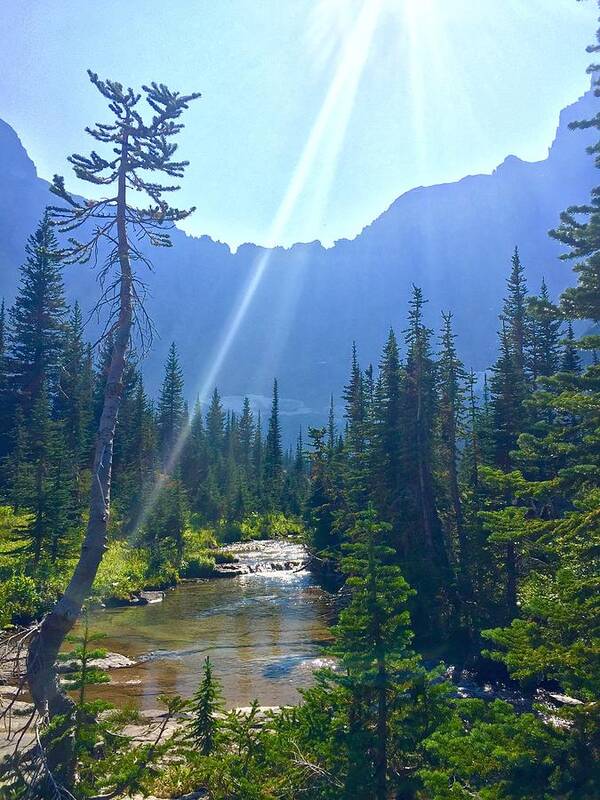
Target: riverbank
[(129, 573)]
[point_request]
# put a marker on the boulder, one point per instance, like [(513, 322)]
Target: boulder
[(152, 597), (109, 661)]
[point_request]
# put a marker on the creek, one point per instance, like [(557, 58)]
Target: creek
[(264, 632)]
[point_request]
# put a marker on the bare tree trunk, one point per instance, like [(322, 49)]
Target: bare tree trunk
[(50, 700)]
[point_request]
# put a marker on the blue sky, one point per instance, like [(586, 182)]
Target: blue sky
[(316, 114)]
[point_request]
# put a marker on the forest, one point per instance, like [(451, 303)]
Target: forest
[(453, 515)]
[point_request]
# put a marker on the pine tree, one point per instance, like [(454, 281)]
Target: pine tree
[(246, 435), (62, 514), (356, 456), (507, 397), (579, 229), (273, 456), (37, 319), (170, 416), (514, 315), (215, 427), (73, 402), (205, 706), (451, 411), (473, 455), (545, 325), (570, 361), (165, 526), (428, 550), (507, 390), (386, 461), (372, 638), (194, 461), (136, 455), (41, 484), (136, 148), (354, 395), (331, 435), (258, 464), (321, 501), (300, 458)]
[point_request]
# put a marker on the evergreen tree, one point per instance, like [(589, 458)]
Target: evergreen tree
[(136, 451), (41, 485), (372, 641), (137, 148), (273, 456), (514, 315), (299, 459), (452, 379), (37, 319), (215, 427), (570, 361), (545, 325), (73, 402), (321, 501), (331, 436), (194, 463), (206, 705), (258, 463), (473, 455), (579, 230), (507, 397), (246, 437), (170, 416), (428, 551), (386, 461), (164, 529), (355, 444)]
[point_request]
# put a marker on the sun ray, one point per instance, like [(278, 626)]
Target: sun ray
[(338, 99)]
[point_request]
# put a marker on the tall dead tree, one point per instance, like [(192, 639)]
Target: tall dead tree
[(114, 231)]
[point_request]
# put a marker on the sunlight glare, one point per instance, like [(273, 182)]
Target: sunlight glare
[(335, 110)]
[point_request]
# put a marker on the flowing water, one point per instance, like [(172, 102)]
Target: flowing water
[(263, 631)]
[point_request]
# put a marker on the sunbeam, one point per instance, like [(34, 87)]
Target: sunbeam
[(335, 110)]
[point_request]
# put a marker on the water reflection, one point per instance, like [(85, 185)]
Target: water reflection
[(264, 633)]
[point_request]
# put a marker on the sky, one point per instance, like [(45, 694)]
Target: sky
[(315, 114)]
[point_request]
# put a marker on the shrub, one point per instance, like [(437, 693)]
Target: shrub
[(10, 561), (224, 557), (270, 526), (198, 566), (20, 600), (123, 570)]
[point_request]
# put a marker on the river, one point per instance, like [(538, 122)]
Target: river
[(264, 633)]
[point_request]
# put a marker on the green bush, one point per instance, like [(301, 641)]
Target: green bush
[(229, 532), (20, 600), (198, 566), (270, 526), (122, 572), (10, 561), (224, 557)]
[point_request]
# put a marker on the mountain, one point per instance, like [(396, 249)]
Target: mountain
[(454, 240)]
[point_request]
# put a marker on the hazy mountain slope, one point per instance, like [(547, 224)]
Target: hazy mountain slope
[(454, 240)]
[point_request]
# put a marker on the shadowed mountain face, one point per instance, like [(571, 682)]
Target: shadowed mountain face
[(453, 240)]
